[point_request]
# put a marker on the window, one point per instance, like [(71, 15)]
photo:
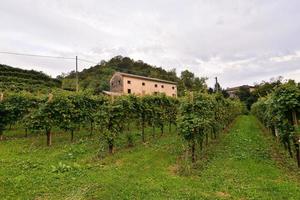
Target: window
[(129, 91), (112, 84), (119, 82), (173, 87), (174, 95), (162, 86), (128, 82), (143, 83), (155, 93), (155, 85)]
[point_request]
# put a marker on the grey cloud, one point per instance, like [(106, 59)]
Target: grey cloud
[(241, 42)]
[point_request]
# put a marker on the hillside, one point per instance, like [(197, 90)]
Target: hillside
[(15, 79), (97, 77)]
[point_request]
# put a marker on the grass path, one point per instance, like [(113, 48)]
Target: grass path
[(240, 167)]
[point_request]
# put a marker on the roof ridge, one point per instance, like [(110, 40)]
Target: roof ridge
[(147, 78)]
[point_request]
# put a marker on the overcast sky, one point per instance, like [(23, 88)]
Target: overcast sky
[(240, 41)]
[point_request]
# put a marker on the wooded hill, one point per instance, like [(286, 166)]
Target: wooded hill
[(15, 79), (97, 78)]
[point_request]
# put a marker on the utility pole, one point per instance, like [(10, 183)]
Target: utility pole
[(77, 81)]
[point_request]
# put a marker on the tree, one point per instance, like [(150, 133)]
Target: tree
[(187, 78), (265, 88), (17, 106), (130, 112), (43, 118), (210, 90), (110, 120), (200, 84), (171, 75), (171, 111), (143, 110), (66, 114), (160, 117), (195, 118), (246, 96)]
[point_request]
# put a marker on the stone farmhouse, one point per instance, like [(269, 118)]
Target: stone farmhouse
[(234, 90), (123, 83)]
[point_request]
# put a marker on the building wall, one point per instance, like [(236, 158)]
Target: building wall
[(136, 87), (252, 89), (232, 94), (116, 83), (233, 91)]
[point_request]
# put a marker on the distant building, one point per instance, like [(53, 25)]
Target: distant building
[(123, 83), (234, 90)]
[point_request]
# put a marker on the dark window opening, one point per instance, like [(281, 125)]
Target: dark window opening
[(143, 83), (112, 84), (162, 86), (128, 82), (173, 87), (155, 85), (129, 91), (155, 93), (119, 82)]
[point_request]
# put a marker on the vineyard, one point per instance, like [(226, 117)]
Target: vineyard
[(279, 112), (149, 100), (197, 116), (142, 147), (15, 79)]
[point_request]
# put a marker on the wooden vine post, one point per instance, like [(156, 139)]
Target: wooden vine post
[(1, 131), (48, 131), (297, 147), (1, 96), (193, 148), (296, 138), (50, 97)]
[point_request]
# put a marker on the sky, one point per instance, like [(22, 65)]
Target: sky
[(239, 41)]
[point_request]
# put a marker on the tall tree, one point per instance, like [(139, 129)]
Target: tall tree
[(200, 84), (187, 78)]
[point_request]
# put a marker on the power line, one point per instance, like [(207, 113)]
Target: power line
[(53, 57), (45, 56), (88, 61), (35, 55)]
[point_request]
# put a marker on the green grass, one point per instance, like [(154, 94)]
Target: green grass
[(239, 166)]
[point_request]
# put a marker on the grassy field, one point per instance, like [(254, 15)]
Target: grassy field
[(241, 165)]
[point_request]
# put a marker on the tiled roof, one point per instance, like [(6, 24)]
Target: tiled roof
[(146, 78)]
